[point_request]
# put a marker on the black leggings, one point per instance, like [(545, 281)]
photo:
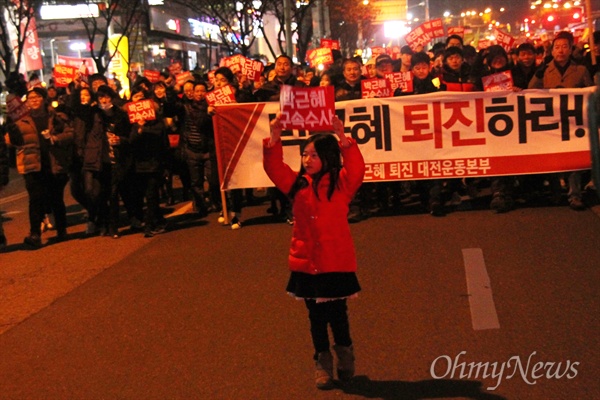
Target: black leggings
[(334, 313)]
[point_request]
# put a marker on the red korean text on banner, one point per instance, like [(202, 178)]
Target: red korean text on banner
[(140, 110), (395, 52), (86, 63), (400, 80), (376, 87), (456, 30), (15, 108), (436, 28), (505, 40), (417, 37), (330, 44), (31, 46), (320, 56), (252, 69), (183, 77), (310, 108), (224, 95), (63, 75), (498, 82), (152, 75), (229, 61)]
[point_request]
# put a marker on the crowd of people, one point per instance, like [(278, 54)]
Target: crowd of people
[(81, 136)]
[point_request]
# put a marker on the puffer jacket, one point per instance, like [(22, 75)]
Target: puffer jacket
[(24, 136), (321, 240)]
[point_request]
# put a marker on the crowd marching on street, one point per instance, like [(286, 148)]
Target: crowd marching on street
[(81, 136)]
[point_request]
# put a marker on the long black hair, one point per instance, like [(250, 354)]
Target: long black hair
[(328, 149)]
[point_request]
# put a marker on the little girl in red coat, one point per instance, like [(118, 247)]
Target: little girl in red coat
[(322, 258)]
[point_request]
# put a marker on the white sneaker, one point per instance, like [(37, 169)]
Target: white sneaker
[(221, 218), (236, 224)]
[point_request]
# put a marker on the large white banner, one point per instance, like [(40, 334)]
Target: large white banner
[(432, 136)]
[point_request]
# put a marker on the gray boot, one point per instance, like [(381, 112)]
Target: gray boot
[(324, 370), (345, 367)]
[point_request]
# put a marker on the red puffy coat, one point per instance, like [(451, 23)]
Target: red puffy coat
[(321, 240)]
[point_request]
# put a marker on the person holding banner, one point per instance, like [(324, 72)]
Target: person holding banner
[(456, 73), (284, 75), (349, 88), (322, 258), (523, 70), (224, 77), (562, 72)]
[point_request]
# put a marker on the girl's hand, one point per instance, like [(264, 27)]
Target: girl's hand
[(338, 127), (276, 129), (211, 110)]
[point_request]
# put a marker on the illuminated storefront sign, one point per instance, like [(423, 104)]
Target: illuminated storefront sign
[(205, 30), (69, 12)]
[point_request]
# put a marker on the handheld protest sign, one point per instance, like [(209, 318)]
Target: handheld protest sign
[(309, 108)]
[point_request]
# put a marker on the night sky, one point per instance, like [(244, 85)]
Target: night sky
[(514, 9)]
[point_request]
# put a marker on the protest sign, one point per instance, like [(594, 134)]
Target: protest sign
[(224, 95), (376, 87), (152, 75), (320, 56), (140, 110), (307, 107), (498, 82), (400, 80)]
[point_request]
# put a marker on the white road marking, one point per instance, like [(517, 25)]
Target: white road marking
[(14, 197), (481, 301)]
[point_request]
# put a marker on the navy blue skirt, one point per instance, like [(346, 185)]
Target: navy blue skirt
[(331, 285)]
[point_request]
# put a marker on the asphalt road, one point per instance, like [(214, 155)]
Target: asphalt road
[(201, 313)]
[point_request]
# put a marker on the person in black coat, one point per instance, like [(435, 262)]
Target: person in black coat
[(149, 149), (525, 68), (111, 145)]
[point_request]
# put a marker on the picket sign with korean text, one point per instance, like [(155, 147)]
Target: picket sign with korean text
[(64, 74), (224, 95), (15, 108), (307, 107), (319, 56), (430, 136), (140, 110), (376, 88), (400, 80), (152, 75), (502, 81)]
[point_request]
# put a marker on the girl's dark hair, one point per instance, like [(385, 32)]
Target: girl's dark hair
[(139, 89), (105, 91), (328, 149), (227, 73)]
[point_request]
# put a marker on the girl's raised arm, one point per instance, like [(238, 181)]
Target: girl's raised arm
[(338, 127)]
